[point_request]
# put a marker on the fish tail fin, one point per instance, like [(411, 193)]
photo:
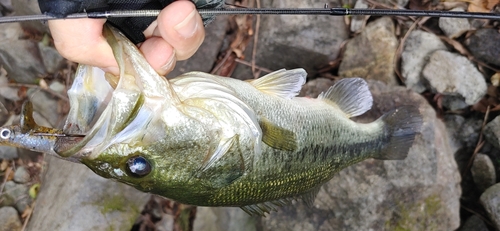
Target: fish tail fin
[(401, 126)]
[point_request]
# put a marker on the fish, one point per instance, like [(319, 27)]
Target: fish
[(207, 140)]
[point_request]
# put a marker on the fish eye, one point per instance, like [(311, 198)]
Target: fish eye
[(5, 134), (138, 166)]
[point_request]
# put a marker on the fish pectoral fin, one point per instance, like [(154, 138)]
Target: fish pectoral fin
[(27, 121), (282, 83), (351, 95), (277, 137), (266, 207)]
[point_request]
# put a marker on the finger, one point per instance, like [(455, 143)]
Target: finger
[(81, 41), (181, 26), (159, 54)]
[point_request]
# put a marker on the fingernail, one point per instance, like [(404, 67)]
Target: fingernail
[(170, 64), (188, 26), (112, 70)]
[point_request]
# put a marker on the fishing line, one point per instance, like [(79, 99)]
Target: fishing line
[(263, 11)]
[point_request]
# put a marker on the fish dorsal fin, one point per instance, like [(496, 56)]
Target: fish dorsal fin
[(282, 83), (351, 95), (277, 137), (27, 121), (266, 207)]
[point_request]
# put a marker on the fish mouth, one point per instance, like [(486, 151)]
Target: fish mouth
[(107, 109)]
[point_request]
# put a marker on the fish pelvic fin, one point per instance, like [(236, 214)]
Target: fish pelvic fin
[(261, 209), (402, 125), (351, 95), (282, 83)]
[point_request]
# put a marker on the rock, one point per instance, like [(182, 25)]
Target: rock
[(16, 195), (57, 87), (370, 55), (316, 87), (30, 7), (485, 45), (418, 46), (491, 202), (453, 103), (454, 27), (483, 172), (454, 75), (8, 153), (21, 175), (463, 137), (52, 60), (292, 41), (9, 219), (77, 199), (217, 218), (7, 4), (46, 106), (492, 132), (215, 33), (7, 92), (474, 223), (419, 193), (359, 21), (20, 58)]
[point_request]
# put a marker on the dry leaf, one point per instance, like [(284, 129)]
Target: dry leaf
[(4, 165), (495, 79), (484, 6), (43, 84)]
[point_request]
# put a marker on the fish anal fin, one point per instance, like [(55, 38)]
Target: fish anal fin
[(351, 95), (277, 137), (27, 121), (282, 83), (309, 197), (261, 209)]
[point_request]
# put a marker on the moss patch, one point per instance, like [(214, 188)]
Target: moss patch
[(422, 215)]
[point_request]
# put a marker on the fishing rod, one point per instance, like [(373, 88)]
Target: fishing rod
[(263, 11)]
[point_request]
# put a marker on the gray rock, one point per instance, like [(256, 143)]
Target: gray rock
[(419, 193), (8, 153), (46, 106), (20, 58), (202, 60), (370, 55), (418, 46), (77, 199), (58, 87), (291, 41), (30, 7), (7, 4), (454, 27), (452, 74), (463, 137), (21, 175), (9, 219), (359, 21), (453, 103), (7, 92), (492, 132), (483, 172), (490, 199), (52, 60), (474, 223), (485, 45), (16, 195)]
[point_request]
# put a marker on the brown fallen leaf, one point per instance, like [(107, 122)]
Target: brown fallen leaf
[(482, 5)]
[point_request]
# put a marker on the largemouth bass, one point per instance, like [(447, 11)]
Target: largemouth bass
[(207, 140)]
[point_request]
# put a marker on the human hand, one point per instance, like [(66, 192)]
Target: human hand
[(175, 35)]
